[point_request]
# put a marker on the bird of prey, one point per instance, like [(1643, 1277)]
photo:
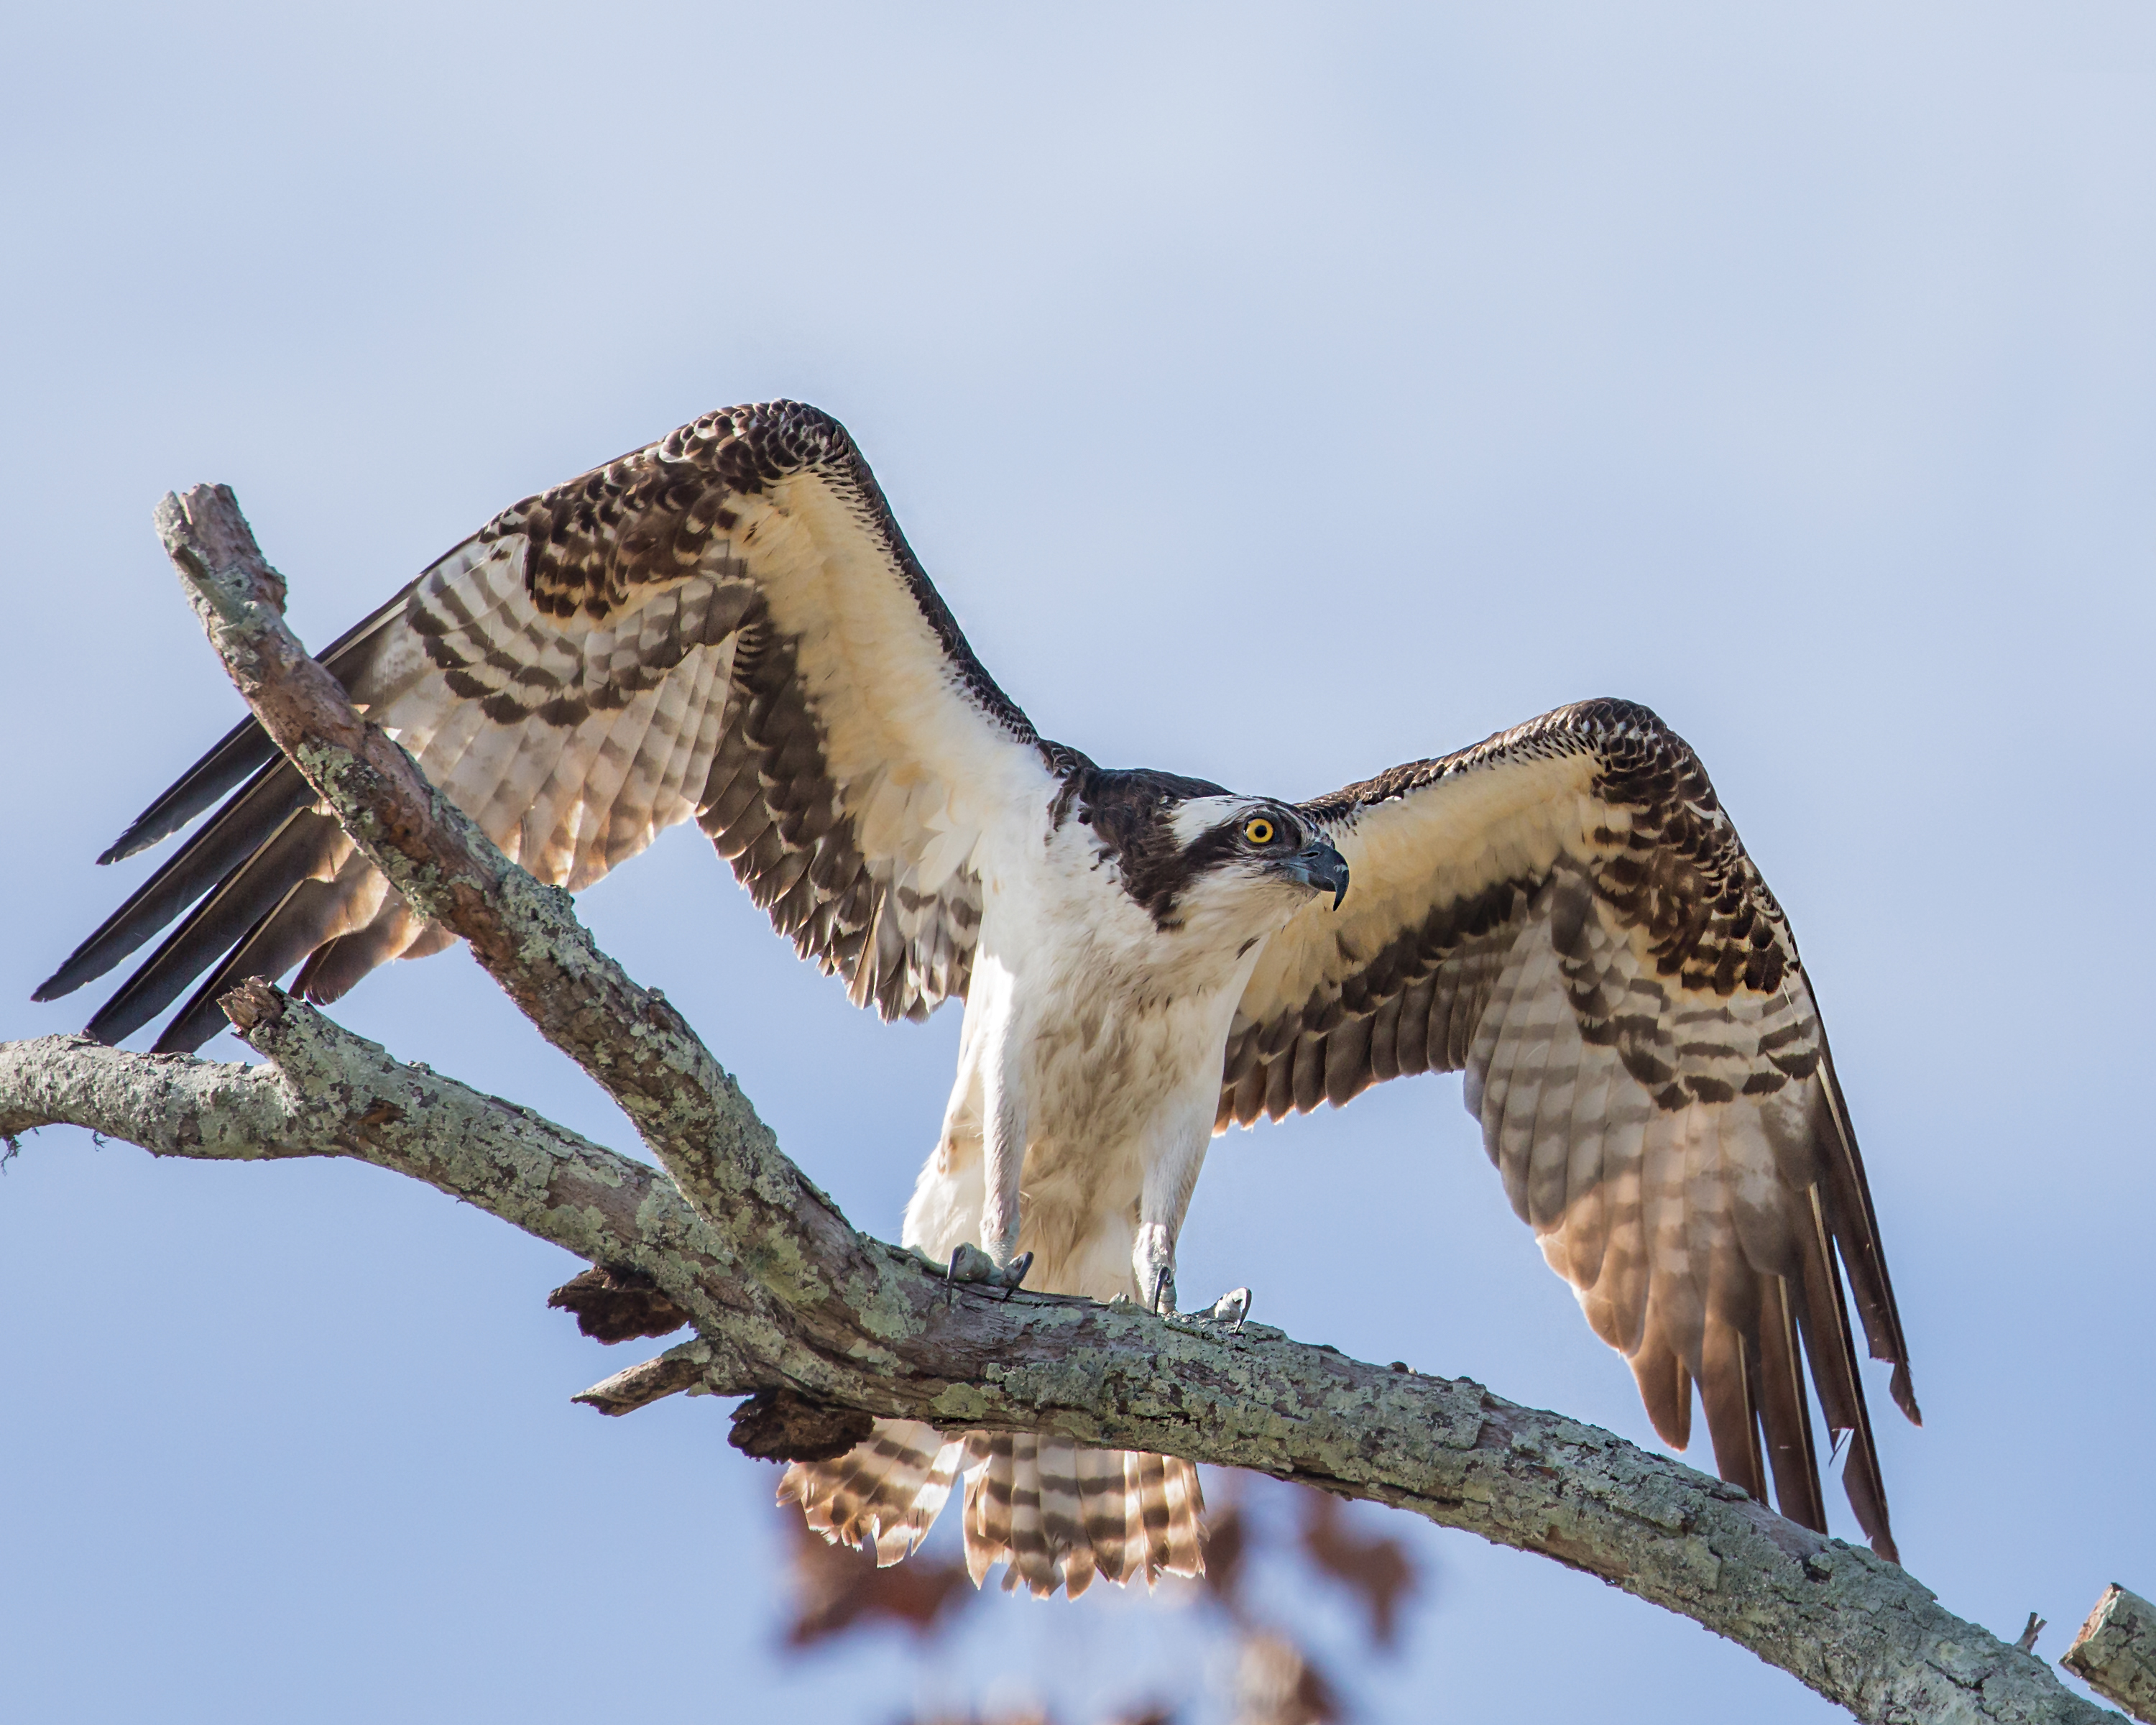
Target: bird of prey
[(728, 626)]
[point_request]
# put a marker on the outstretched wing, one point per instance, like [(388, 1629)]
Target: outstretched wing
[(727, 624), (1565, 912)]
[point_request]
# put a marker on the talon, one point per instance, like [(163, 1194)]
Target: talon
[(1013, 1273), (969, 1263), (1232, 1307), (1163, 1292)]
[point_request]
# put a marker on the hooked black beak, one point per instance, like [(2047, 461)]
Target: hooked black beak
[(1321, 868)]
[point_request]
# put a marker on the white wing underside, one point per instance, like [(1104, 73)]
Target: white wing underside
[(930, 784)]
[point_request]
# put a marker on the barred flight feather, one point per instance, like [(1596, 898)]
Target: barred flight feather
[(1565, 912)]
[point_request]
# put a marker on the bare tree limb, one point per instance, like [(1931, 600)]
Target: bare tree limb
[(1857, 1629), (2115, 1653), (827, 1326), (684, 1368), (331, 1093)]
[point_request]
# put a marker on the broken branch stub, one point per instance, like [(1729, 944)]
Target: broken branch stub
[(2115, 1653)]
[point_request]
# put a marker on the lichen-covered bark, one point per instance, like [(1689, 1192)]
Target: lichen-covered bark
[(823, 1324), (1860, 1631)]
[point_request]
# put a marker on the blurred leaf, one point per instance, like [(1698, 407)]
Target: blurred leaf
[(1379, 1570), (1276, 1684), (838, 1588), (1227, 1542)]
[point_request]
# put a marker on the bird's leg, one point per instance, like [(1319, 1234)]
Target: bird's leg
[(1162, 1203), (1156, 1262), (1002, 1111), (946, 1188)]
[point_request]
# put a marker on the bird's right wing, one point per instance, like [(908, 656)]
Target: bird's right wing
[(1566, 913), (726, 625)]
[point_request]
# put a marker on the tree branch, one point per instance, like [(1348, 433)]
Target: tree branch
[(789, 1301), (1857, 1629), (684, 1368), (2115, 1653), (331, 1093)]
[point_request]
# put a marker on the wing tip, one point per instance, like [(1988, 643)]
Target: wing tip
[(85, 965), (126, 844), (1867, 1497), (202, 784), (1903, 1389), (78, 969), (113, 1027)]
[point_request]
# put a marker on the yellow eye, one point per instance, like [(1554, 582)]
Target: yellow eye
[(1259, 831)]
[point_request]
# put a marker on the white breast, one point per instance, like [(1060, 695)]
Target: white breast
[(1121, 1029)]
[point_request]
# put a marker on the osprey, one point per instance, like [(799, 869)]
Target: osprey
[(728, 626)]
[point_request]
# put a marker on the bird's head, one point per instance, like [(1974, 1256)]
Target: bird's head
[(1256, 842), (1198, 856)]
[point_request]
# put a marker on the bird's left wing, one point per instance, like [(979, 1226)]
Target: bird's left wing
[(1565, 912), (726, 625)]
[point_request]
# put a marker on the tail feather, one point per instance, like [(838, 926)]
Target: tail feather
[(1061, 1525), (1055, 1514), (1103, 1517), (990, 1489), (1031, 1558), (883, 1493), (1148, 1487), (1186, 1518)]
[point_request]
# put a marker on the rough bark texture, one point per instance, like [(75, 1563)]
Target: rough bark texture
[(2115, 1653), (823, 1325), (614, 1303)]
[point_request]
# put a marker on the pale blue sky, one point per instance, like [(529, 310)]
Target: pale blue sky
[(1274, 397)]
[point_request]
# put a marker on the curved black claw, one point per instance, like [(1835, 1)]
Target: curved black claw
[(1231, 1308), (970, 1264)]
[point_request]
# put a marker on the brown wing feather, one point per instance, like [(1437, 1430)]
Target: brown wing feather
[(726, 625), (1566, 913)]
